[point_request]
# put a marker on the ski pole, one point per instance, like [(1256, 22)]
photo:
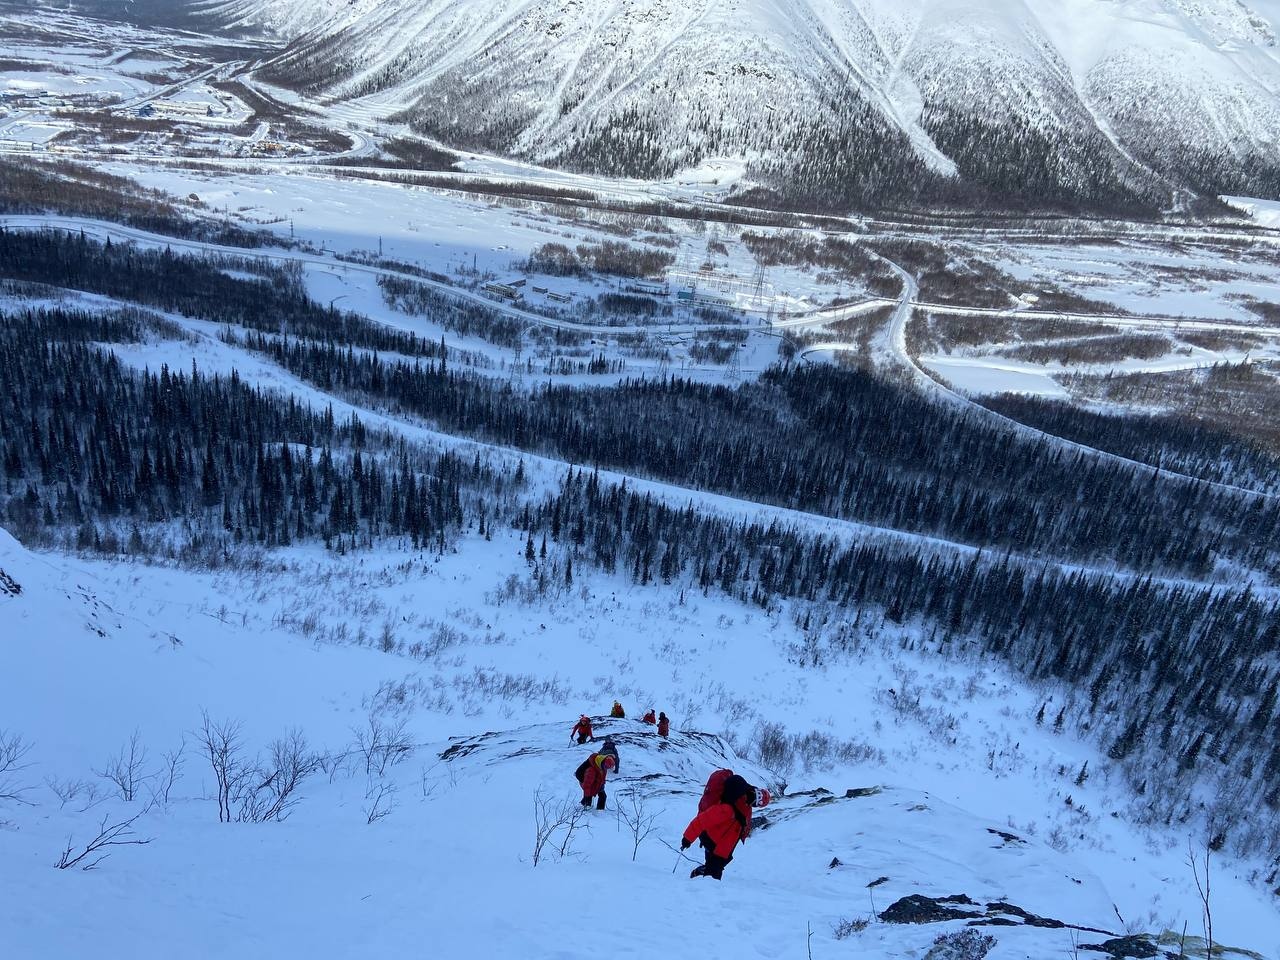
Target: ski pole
[(680, 854)]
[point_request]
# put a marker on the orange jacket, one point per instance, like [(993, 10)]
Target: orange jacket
[(650, 717), (724, 826)]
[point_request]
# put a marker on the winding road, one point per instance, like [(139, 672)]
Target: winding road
[(895, 341), (102, 230)]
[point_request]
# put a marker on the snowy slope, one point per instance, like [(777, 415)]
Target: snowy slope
[(91, 651), (1139, 92)]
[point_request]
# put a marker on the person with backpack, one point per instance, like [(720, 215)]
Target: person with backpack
[(610, 749), (723, 820), (592, 773), (664, 725), (617, 712), (581, 730), (649, 717)]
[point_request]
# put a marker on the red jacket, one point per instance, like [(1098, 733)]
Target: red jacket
[(664, 727), (583, 727), (722, 826), (594, 776), (650, 717)]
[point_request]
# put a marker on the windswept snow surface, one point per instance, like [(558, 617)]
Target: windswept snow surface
[(94, 650)]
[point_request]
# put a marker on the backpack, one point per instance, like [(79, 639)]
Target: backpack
[(610, 749), (582, 769), (713, 793)]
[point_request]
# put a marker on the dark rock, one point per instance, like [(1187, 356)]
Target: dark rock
[(921, 909), (9, 587), (835, 862), (994, 922), (877, 882), (459, 750), (1030, 919), (1006, 837), (1140, 946), (857, 792)]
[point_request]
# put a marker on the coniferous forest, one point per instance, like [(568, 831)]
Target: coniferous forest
[(88, 441), (1112, 581)]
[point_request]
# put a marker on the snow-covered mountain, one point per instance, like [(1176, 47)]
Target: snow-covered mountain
[(851, 101)]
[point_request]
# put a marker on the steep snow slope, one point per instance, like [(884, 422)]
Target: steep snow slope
[(91, 651), (1094, 99)]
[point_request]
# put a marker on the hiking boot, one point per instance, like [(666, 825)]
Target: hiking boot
[(699, 871)]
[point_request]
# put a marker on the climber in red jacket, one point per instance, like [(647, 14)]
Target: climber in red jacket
[(581, 729), (724, 819), (591, 773)]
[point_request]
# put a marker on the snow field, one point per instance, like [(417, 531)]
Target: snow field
[(954, 747)]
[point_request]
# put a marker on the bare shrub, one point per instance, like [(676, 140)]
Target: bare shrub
[(73, 791), (1200, 871), (966, 944), (773, 747), (379, 800), (632, 811), (268, 792), (382, 744), (552, 816), (222, 744), (254, 790), (168, 775), (124, 770), (118, 834), (843, 929), (13, 760), (783, 752)]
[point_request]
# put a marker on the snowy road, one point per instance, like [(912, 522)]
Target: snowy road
[(173, 88), (102, 230), (893, 344)]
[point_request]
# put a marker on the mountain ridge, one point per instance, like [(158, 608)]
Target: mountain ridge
[(1025, 103)]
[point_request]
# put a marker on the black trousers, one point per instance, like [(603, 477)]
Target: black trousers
[(600, 799), (714, 866)]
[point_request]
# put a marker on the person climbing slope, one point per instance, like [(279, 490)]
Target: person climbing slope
[(649, 717), (610, 749), (723, 820), (581, 730), (592, 773), (617, 712), (664, 725)]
